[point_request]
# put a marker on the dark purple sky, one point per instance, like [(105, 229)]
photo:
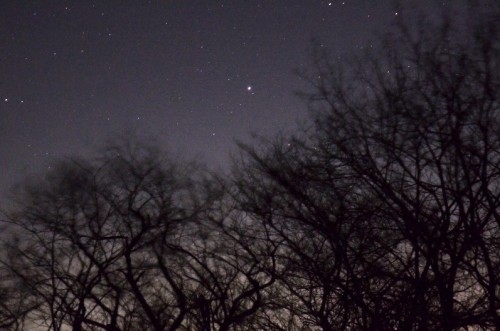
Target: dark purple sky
[(196, 74)]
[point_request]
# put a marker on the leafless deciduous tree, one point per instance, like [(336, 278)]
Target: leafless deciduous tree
[(130, 241), (387, 209), (383, 215)]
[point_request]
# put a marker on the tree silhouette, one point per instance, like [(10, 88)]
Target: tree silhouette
[(132, 241), (384, 214), (387, 209)]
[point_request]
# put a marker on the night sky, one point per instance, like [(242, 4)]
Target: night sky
[(196, 74)]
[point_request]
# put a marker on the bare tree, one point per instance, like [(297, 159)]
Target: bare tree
[(387, 208), (132, 241), (384, 215), (83, 237)]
